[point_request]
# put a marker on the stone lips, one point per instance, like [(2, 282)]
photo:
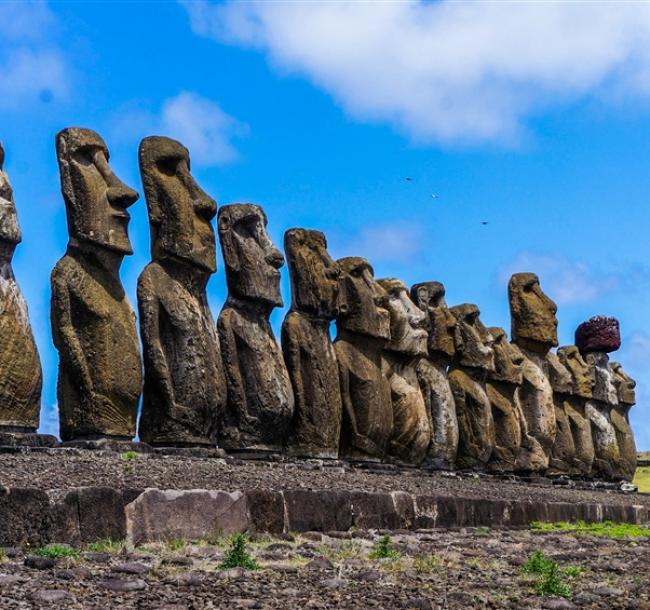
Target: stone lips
[(599, 334)]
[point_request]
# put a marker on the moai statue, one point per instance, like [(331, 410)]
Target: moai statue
[(20, 367), (432, 374), (184, 384), (473, 361), (620, 419), (575, 403), (315, 430), (93, 324), (534, 331), (408, 343), (363, 329), (503, 392), (563, 454), (260, 398), (595, 338)]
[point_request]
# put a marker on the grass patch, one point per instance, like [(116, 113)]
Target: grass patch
[(55, 551), (551, 579), (129, 456), (175, 544), (425, 564), (606, 528), (106, 546), (349, 549), (238, 556), (642, 479), (383, 549)]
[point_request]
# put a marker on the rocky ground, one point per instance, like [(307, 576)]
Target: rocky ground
[(64, 468), (434, 570)]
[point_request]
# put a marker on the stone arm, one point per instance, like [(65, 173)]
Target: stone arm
[(291, 350), (65, 334), (462, 413), (151, 311), (230, 356)]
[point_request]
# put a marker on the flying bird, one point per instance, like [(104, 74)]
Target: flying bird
[(408, 178), (434, 196), (484, 222)]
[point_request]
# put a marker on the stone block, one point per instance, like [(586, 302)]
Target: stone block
[(25, 517), (374, 511), (265, 511), (319, 511)]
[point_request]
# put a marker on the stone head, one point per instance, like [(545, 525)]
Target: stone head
[(253, 263), (96, 199), (582, 382), (362, 301), (625, 385), (314, 274), (430, 298), (603, 376), (508, 359), (598, 334), (408, 334), (558, 374), (473, 341), (534, 323), (10, 234), (180, 212)]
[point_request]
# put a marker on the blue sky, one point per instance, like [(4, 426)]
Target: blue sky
[(532, 117)]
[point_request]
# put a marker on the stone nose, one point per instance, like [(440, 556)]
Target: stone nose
[(121, 196), (275, 258)]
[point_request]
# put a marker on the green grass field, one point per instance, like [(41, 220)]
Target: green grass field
[(642, 478)]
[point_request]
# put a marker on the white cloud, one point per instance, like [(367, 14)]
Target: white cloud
[(199, 123), (447, 70), (32, 66), (397, 242), (567, 282)]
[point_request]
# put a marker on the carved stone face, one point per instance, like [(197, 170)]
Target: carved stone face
[(314, 274), (96, 199), (362, 301), (252, 261), (598, 334), (473, 341), (625, 385), (582, 382), (558, 374), (407, 322), (603, 376), (534, 324), (430, 298), (508, 359), (180, 212), (9, 230)]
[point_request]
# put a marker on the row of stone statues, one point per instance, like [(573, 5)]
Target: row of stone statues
[(407, 378)]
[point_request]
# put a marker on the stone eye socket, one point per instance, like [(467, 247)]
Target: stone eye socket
[(85, 155), (247, 227), (168, 165)]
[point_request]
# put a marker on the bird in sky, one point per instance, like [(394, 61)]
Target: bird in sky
[(408, 178), (434, 196), (484, 222)]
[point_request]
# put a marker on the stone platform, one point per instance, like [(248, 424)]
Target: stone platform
[(75, 495)]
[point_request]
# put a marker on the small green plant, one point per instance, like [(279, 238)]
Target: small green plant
[(573, 571), (483, 531), (106, 546), (56, 551), (383, 549), (608, 529), (424, 564), (175, 544), (129, 456), (237, 555), (3, 554), (537, 563), (552, 583)]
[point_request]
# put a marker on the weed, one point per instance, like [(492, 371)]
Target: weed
[(129, 456), (175, 544), (349, 549), (383, 549), (3, 554), (537, 563), (106, 546), (573, 571), (56, 551), (606, 528), (237, 555), (483, 531), (424, 564), (552, 583)]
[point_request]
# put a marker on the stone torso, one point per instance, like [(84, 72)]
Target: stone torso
[(103, 323), (186, 333), (311, 362), (20, 367), (503, 397), (260, 397), (367, 409), (441, 409)]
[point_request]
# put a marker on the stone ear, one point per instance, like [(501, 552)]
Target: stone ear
[(226, 237)]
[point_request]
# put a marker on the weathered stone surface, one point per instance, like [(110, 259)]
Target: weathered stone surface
[(502, 391), (474, 359), (574, 406), (375, 511), (260, 398), (534, 331), (20, 367), (319, 511), (93, 324), (363, 327), (265, 510), (408, 343), (184, 384), (620, 419), (562, 459), (432, 373), (24, 517), (598, 334), (315, 430), (188, 514)]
